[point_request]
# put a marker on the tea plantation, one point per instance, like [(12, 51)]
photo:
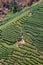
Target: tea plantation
[(28, 23)]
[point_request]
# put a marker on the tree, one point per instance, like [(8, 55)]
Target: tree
[(16, 7)]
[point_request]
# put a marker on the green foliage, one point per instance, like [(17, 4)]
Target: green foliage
[(32, 29), (16, 7)]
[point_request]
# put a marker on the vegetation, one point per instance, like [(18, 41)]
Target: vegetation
[(30, 25)]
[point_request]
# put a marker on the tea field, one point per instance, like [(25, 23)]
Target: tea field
[(28, 23)]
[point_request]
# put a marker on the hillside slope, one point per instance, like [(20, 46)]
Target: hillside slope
[(30, 25)]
